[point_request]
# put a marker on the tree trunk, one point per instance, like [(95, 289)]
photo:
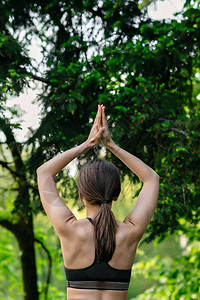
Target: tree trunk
[(25, 236), (23, 227), (29, 273)]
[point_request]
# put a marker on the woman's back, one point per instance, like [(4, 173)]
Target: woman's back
[(79, 252)]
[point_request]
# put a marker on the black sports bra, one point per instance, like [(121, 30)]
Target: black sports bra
[(98, 276)]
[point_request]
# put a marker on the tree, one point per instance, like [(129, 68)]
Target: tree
[(20, 223), (144, 72)]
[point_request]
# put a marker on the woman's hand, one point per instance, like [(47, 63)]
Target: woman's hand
[(97, 130), (106, 137)]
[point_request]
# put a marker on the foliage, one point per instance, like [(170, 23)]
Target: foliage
[(179, 279), (10, 266), (13, 60), (145, 72)]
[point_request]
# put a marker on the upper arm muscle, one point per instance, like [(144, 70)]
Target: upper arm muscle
[(58, 213), (144, 209)]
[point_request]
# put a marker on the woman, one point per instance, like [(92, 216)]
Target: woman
[(98, 251)]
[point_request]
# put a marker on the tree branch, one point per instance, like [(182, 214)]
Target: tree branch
[(175, 129), (9, 189), (49, 268), (16, 175), (39, 78), (185, 133), (8, 221), (13, 146), (173, 122), (12, 172)]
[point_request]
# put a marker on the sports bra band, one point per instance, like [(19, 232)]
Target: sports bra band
[(98, 285)]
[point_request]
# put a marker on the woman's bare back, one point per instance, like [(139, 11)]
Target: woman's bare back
[(79, 252), (80, 294)]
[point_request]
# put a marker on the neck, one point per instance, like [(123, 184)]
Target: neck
[(92, 209)]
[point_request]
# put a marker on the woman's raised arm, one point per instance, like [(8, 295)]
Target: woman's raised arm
[(144, 209), (59, 214)]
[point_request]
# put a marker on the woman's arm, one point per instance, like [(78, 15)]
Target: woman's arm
[(146, 203), (144, 209), (59, 214)]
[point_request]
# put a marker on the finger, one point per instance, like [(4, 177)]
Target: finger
[(103, 116), (100, 133), (98, 116), (101, 123)]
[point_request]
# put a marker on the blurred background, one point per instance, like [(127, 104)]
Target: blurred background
[(58, 60)]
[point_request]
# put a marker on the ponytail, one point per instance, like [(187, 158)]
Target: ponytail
[(98, 181), (105, 230)]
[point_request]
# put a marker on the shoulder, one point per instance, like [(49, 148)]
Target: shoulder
[(128, 231), (78, 229)]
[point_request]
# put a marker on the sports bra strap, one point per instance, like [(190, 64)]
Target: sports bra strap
[(91, 221)]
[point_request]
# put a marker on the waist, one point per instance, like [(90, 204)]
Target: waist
[(98, 285)]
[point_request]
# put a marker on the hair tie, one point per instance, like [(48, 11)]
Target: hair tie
[(105, 201)]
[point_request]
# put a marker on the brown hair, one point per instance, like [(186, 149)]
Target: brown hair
[(99, 183)]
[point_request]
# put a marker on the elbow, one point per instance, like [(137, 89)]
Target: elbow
[(154, 178), (43, 171), (39, 170), (157, 180)]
